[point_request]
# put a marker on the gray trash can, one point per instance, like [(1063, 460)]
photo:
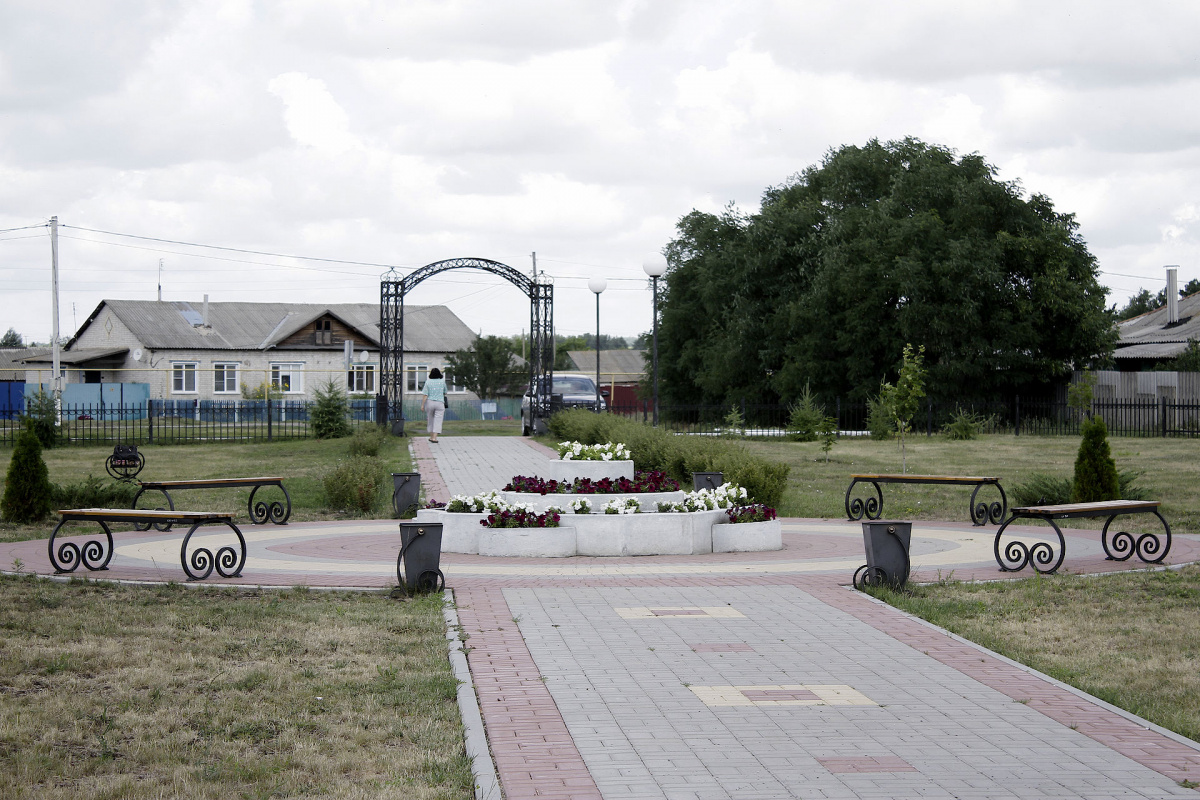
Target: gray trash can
[(420, 555), (886, 543), (707, 480), (406, 491)]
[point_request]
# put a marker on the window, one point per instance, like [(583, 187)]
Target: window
[(361, 378), (287, 378), (451, 384), (225, 378), (417, 373), (183, 378), (323, 332)]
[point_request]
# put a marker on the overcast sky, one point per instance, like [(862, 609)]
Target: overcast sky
[(401, 133)]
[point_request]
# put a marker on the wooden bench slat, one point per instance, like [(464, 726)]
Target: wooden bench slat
[(1102, 508), (927, 478), (213, 482)]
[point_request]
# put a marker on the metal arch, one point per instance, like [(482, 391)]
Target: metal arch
[(540, 291)]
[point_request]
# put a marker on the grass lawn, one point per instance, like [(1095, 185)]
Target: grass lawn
[(301, 463), (136, 692), (1132, 639), (1170, 467)]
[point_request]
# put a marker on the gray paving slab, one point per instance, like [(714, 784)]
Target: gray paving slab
[(474, 464), (624, 688)]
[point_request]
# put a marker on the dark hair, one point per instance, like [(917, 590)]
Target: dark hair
[(435, 373)]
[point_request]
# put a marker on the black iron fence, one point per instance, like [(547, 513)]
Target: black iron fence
[(1020, 416), (173, 421)]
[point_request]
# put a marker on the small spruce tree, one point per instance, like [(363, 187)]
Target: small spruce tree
[(1095, 470), (328, 412), (27, 487)]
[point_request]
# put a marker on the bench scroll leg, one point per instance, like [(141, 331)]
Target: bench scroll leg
[(872, 506), (227, 561), (262, 512), (982, 513), (1016, 554), (1121, 545), (68, 556)]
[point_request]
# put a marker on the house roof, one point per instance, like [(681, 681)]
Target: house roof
[(622, 365), (260, 326), (80, 355), (1149, 335), (12, 362)]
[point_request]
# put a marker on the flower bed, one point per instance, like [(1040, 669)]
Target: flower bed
[(521, 518), (755, 512), (725, 496), (577, 451), (642, 483)]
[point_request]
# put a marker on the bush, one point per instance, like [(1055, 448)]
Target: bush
[(656, 449), (1042, 490), (806, 420), (329, 411), (41, 417), (368, 440), (27, 488), (94, 492), (355, 484), (964, 425), (1095, 471), (879, 419)]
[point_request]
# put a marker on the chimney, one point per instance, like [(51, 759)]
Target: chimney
[(205, 315), (1172, 294)]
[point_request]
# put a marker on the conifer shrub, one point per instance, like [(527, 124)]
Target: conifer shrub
[(27, 487), (41, 417), (329, 411), (1095, 470)]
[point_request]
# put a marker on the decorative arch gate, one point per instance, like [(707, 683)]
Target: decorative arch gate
[(391, 333)]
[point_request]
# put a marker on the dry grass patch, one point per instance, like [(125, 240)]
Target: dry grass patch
[(1131, 639), (133, 692)]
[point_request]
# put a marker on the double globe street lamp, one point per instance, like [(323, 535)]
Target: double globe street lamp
[(655, 268)]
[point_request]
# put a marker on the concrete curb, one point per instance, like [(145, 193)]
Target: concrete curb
[(487, 782)]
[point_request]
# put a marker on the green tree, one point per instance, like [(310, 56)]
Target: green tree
[(27, 488), (1189, 359), (1141, 303), (1095, 470), (11, 339), (1191, 287), (904, 398), (876, 246), (41, 417), (487, 368), (329, 412)]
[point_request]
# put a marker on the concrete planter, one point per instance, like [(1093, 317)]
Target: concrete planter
[(746, 537), (527, 542), (595, 470), (648, 500), (645, 534), (460, 530)]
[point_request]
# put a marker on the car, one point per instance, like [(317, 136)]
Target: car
[(569, 390)]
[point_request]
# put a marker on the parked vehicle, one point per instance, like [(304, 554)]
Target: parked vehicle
[(569, 390)]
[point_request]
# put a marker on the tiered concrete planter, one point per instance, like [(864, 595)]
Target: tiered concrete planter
[(528, 542), (649, 500), (747, 537), (595, 470), (460, 530), (645, 534)]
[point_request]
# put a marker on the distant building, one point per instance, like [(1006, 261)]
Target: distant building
[(1157, 336), (621, 372), (219, 351)]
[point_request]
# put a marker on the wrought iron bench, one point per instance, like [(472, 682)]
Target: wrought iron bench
[(981, 513), (1016, 554), (260, 513), (95, 554)]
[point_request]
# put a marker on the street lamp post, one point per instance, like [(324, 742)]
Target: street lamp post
[(597, 285), (655, 268)]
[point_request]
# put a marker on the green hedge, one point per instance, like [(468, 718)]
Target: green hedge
[(677, 455)]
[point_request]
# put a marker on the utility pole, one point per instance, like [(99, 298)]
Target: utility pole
[(56, 382), (533, 272), (160, 280)]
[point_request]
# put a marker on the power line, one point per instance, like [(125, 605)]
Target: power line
[(23, 228)]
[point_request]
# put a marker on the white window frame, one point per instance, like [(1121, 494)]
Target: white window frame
[(361, 378), (223, 369), (292, 371), (451, 386), (415, 376), (183, 373)]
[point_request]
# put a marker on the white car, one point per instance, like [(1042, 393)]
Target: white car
[(569, 390)]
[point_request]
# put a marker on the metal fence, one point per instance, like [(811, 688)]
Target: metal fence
[(1020, 416)]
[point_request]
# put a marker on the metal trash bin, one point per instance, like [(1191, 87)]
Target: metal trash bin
[(420, 554), (886, 543), (707, 480), (406, 491)]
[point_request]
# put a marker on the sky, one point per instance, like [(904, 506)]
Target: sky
[(394, 134)]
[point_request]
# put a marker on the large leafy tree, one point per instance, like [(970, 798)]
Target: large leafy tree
[(487, 368), (11, 339), (877, 246)]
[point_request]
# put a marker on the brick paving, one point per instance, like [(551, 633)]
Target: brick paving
[(731, 675)]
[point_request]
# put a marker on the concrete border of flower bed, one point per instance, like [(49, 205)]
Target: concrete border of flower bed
[(747, 537), (593, 470), (649, 500), (675, 533)]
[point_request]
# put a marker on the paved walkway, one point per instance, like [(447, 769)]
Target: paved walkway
[(752, 675)]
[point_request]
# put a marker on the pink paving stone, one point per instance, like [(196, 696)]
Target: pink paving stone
[(867, 764), (721, 647)]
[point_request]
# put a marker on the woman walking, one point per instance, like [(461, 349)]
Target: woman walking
[(434, 403)]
